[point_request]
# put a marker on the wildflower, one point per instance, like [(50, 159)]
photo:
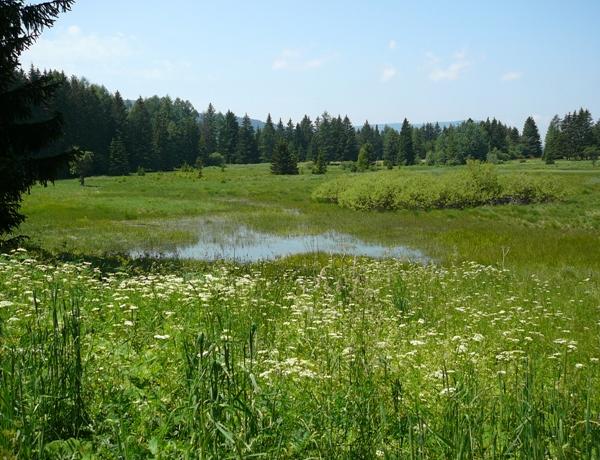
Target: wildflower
[(6, 303), (448, 391), (128, 323), (162, 337)]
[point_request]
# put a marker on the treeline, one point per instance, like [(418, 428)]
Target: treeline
[(573, 137), (159, 133)]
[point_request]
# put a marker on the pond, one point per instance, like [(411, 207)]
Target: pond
[(242, 244)]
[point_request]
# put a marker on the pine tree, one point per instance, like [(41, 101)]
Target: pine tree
[(532, 144), (118, 161), (22, 139), (283, 161), (406, 153)]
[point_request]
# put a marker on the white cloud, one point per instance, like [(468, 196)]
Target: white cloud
[(388, 73), (163, 70), (73, 47), (392, 44), (511, 76), (296, 59), (452, 71)]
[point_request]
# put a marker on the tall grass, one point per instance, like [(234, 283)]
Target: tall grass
[(303, 358)]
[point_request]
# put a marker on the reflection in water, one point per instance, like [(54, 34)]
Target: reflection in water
[(242, 244)]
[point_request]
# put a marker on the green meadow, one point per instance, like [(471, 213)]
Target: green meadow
[(491, 351), (114, 214)]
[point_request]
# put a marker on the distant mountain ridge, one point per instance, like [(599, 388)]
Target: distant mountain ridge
[(397, 126)]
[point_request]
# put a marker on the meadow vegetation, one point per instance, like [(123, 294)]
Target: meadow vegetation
[(478, 185), (491, 351), (304, 358)]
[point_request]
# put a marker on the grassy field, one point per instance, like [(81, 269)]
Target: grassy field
[(491, 352), (116, 214)]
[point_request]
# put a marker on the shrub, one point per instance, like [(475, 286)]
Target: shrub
[(477, 185), (216, 159)]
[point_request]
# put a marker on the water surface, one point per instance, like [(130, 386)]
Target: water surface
[(242, 244)]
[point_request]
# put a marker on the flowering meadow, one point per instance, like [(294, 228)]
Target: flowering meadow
[(309, 357)]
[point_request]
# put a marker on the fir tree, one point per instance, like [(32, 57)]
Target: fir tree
[(140, 137), (365, 156), (350, 152), (390, 147), (406, 153), (283, 160), (228, 137), (532, 144), (267, 140), (118, 160), (247, 150), (320, 166), (208, 133), (553, 141)]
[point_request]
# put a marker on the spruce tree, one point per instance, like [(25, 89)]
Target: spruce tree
[(140, 137), (208, 133), (406, 153), (530, 139), (267, 140), (390, 147), (247, 151), (22, 159), (119, 113), (552, 144), (365, 157), (283, 161), (350, 152), (320, 166), (118, 161), (228, 137)]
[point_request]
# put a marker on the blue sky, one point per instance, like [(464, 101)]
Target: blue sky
[(375, 60)]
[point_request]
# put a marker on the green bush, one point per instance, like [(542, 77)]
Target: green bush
[(477, 185)]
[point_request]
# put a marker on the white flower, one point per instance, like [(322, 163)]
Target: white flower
[(162, 337), (6, 303), (128, 323)]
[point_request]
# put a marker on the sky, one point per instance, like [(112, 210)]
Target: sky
[(375, 60)]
